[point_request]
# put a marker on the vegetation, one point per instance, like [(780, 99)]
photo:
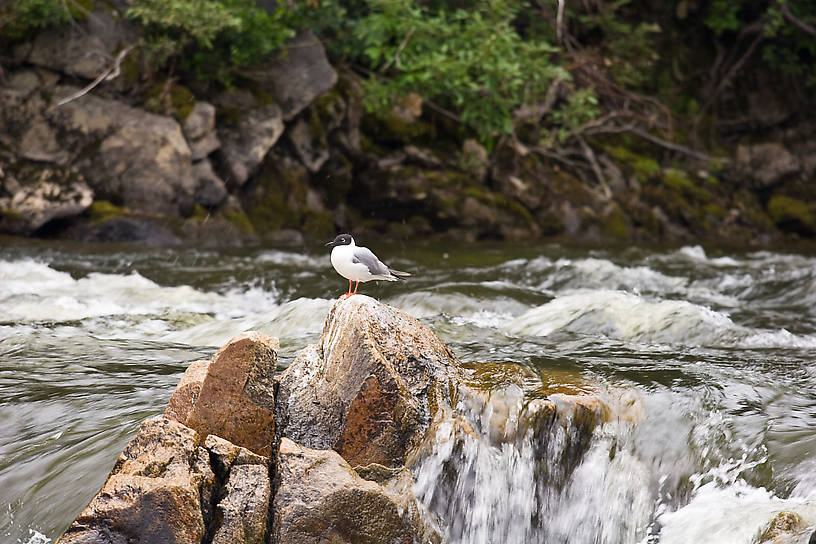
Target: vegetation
[(553, 77)]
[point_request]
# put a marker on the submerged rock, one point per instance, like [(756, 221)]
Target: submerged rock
[(321, 499), (371, 385)]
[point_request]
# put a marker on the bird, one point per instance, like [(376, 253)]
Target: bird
[(358, 263)]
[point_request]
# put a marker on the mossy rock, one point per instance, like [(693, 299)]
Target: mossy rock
[(178, 100), (239, 220), (102, 210), (643, 167), (791, 214), (680, 182)]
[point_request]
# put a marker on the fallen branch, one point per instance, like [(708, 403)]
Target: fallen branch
[(110, 73), (668, 145), (792, 19)]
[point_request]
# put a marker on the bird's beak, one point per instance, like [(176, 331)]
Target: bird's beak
[(330, 244)]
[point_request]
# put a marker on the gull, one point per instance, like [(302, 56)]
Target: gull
[(359, 264)]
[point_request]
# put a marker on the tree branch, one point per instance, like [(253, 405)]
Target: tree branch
[(108, 74), (792, 19)]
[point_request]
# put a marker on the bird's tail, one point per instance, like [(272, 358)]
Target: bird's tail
[(398, 274)]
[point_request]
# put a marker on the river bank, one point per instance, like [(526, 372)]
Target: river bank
[(294, 154)]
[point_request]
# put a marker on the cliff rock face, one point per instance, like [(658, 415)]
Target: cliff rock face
[(377, 425)]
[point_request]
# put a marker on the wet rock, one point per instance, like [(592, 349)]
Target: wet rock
[(767, 164), (298, 75), (156, 491), (143, 230), (246, 143), (34, 196), (210, 190), (321, 499), (781, 528), (371, 385), (236, 399)]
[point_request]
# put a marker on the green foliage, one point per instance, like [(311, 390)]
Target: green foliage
[(22, 19), (472, 62), (209, 39), (723, 16)]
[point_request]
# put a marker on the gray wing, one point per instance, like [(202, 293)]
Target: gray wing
[(375, 266)]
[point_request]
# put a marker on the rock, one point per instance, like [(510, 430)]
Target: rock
[(245, 144), (199, 127), (36, 196), (187, 390), (210, 190), (370, 386), (298, 75), (156, 492), (244, 510), (321, 499), (309, 141), (781, 528), (474, 158), (144, 230), (766, 165), (236, 400), (127, 156)]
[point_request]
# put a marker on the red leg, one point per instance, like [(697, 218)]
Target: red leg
[(346, 295), (355, 288)]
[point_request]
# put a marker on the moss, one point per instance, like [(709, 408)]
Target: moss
[(102, 210), (182, 100), (678, 181), (785, 210), (318, 224), (715, 210), (643, 167), (240, 220), (200, 213), (613, 225)]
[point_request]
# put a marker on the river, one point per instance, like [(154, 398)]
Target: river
[(716, 348)]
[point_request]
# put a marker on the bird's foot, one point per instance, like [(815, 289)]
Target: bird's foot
[(344, 296)]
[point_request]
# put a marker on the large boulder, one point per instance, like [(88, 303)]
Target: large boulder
[(128, 156), (766, 164), (156, 492), (233, 395), (33, 195), (84, 50), (320, 498), (370, 386), (298, 75)]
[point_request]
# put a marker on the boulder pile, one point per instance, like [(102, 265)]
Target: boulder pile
[(323, 452)]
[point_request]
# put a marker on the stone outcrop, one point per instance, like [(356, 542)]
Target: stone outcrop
[(140, 160), (156, 492), (371, 385), (321, 499), (233, 395), (380, 429)]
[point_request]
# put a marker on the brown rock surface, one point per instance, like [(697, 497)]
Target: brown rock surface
[(321, 499), (236, 399), (157, 491), (371, 385)]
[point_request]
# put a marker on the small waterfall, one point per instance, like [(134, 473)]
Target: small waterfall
[(502, 468)]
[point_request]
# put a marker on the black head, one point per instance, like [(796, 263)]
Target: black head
[(341, 240)]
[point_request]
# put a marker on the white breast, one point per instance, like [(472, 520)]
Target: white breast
[(342, 259)]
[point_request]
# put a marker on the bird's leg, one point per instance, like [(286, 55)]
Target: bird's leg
[(355, 288), (346, 295)]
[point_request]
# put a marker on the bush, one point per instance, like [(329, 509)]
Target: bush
[(209, 39), (22, 19)]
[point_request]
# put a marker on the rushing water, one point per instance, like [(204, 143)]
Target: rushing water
[(712, 351)]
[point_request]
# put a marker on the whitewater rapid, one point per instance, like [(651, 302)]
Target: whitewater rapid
[(717, 351)]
